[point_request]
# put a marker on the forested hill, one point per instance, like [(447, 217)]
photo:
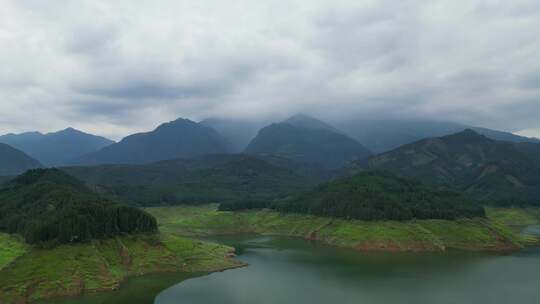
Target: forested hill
[(205, 179), (47, 205), (307, 140), (181, 138), (13, 161), (380, 196), (494, 172)]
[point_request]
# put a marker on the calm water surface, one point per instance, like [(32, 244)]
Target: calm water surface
[(294, 271)]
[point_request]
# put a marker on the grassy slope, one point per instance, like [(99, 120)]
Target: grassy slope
[(10, 249), (70, 270), (517, 219), (515, 216), (418, 235)]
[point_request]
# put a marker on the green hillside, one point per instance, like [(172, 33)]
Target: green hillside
[(380, 196), (206, 179), (47, 205), (494, 172)]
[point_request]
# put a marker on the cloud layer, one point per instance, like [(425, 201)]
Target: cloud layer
[(116, 67)]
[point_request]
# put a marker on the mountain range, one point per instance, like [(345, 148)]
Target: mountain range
[(181, 138), (493, 172), (14, 162), (306, 139), (384, 135), (57, 148)]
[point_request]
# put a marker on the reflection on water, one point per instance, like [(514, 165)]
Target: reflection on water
[(291, 271)]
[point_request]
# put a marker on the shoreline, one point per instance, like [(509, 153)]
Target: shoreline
[(479, 234), (178, 248), (70, 271)]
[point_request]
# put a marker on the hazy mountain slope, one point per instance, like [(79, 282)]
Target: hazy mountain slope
[(47, 205), (181, 138), (492, 171), (205, 179), (13, 161), (305, 142), (308, 122), (58, 148), (237, 132), (379, 196), (385, 135)]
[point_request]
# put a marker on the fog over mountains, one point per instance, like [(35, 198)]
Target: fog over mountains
[(300, 137)]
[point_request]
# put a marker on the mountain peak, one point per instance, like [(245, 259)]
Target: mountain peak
[(180, 138), (308, 122), (68, 130), (469, 134)]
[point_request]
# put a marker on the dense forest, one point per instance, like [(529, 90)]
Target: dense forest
[(492, 172), (205, 179), (380, 196), (49, 206)]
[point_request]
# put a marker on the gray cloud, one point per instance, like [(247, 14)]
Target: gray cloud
[(116, 67)]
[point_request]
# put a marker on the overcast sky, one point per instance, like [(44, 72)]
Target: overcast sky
[(117, 67)]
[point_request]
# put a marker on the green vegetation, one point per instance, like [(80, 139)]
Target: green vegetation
[(415, 235), (515, 216), (380, 196), (207, 179), (517, 219), (10, 249), (49, 206), (100, 265), (492, 172)]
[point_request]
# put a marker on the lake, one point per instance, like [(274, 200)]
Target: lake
[(297, 271)]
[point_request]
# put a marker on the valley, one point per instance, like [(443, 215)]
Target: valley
[(113, 222)]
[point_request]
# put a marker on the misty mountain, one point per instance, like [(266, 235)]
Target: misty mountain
[(181, 138), (237, 132), (308, 122), (57, 148), (308, 140), (14, 162), (384, 135), (494, 172), (204, 179)]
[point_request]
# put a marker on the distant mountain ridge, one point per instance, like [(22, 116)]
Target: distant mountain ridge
[(385, 135), (309, 140), (14, 162), (181, 138), (494, 172), (56, 148)]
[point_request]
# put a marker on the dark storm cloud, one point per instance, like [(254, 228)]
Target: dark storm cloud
[(116, 67)]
